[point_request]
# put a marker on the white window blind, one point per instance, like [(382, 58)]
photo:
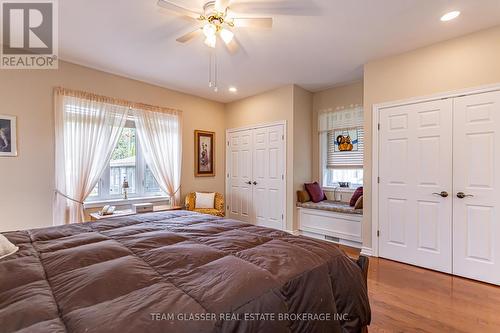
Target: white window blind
[(346, 122)]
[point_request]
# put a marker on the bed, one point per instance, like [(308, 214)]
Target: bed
[(178, 271)]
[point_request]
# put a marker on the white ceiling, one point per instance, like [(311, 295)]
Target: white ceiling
[(325, 42)]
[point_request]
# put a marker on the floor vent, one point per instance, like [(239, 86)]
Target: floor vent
[(333, 239)]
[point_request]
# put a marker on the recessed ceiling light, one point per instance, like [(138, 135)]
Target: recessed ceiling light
[(450, 16), (233, 89)]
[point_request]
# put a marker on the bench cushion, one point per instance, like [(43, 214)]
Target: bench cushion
[(332, 206)]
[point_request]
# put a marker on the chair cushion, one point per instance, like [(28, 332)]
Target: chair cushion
[(355, 196), (315, 192), (205, 200)]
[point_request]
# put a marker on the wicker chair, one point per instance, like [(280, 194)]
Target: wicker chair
[(218, 209)]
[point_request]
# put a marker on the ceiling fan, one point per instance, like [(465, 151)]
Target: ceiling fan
[(215, 21)]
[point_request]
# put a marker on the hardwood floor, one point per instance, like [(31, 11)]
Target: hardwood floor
[(405, 298)]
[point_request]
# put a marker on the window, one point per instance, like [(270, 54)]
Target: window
[(342, 147), (127, 163), (353, 176)]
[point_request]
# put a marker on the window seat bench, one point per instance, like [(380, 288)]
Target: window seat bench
[(331, 206), (331, 220)]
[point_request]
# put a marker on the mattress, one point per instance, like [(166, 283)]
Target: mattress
[(177, 271)]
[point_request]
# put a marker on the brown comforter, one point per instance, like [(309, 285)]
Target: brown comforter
[(177, 272)]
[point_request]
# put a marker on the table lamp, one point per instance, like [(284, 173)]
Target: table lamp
[(125, 187)]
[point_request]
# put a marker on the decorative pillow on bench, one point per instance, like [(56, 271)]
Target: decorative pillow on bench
[(315, 192), (356, 195), (303, 196), (359, 203)]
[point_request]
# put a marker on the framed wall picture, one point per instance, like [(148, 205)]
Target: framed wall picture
[(8, 136), (204, 150)]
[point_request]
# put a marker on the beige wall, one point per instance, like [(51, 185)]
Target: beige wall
[(302, 142), (274, 105), (286, 103), (468, 61), (332, 98), (27, 181)]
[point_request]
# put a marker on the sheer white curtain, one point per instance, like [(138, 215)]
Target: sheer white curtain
[(87, 128), (160, 136), (341, 117)]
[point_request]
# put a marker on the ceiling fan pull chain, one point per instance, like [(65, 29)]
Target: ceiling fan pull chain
[(216, 88), (210, 70)]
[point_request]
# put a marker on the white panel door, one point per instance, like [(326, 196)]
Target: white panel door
[(239, 187), (476, 172), (415, 167), (268, 176)]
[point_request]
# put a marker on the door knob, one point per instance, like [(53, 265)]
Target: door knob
[(462, 195), (249, 182), (254, 182), (443, 194)]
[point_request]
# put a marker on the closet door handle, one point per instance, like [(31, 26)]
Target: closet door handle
[(254, 182), (249, 182), (462, 195), (443, 194)]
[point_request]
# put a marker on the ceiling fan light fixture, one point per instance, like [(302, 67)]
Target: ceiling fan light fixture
[(211, 40), (209, 30), (226, 35)]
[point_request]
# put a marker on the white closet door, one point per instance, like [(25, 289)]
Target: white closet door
[(415, 163), (239, 196), (268, 176), (476, 172)]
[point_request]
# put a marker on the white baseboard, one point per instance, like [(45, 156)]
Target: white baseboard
[(367, 251), (350, 243)]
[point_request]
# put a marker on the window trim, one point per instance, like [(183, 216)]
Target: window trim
[(124, 202), (140, 192)]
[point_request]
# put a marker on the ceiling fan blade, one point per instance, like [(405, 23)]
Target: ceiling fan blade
[(233, 46), (189, 36), (276, 7), (261, 22), (221, 5), (179, 10)]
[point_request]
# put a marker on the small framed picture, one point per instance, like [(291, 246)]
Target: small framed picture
[(204, 150), (8, 136)]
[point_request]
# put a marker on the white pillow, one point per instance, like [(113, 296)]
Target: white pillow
[(205, 200), (6, 247)]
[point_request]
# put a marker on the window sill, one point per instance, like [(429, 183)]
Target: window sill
[(340, 189), (124, 202)]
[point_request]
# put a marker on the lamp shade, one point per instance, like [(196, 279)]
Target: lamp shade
[(211, 41), (209, 30), (226, 35)]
